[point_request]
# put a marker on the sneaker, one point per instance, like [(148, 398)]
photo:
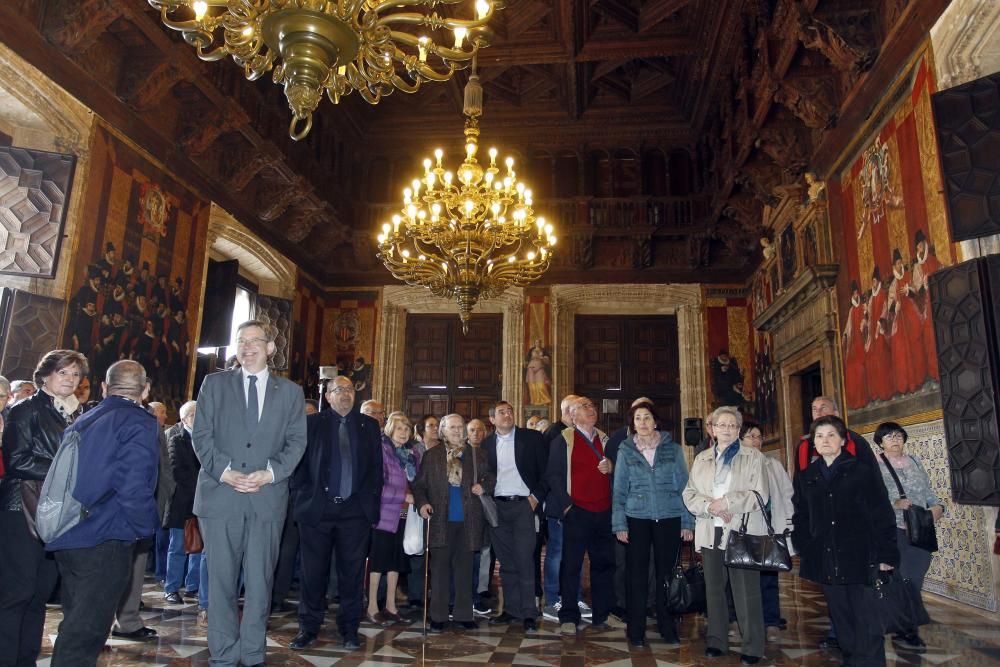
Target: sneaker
[(585, 610), (202, 618), (482, 607), (551, 612), (568, 629), (773, 634)]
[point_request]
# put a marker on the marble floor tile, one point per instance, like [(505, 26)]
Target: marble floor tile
[(958, 637)]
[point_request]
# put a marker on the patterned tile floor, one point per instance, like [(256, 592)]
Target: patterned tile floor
[(959, 636)]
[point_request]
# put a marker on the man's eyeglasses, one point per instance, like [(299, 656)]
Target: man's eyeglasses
[(341, 390), (585, 406), (243, 342)]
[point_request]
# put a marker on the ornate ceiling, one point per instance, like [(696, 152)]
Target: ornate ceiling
[(752, 92)]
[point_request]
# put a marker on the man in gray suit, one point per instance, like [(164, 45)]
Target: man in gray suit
[(249, 436)]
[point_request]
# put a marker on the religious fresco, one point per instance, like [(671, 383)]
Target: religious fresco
[(138, 273), (893, 235), (538, 393)]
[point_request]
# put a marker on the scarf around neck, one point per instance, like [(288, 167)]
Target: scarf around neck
[(454, 461)]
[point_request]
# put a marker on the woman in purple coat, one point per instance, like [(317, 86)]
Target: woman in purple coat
[(400, 461)]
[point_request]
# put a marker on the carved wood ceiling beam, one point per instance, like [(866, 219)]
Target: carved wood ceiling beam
[(631, 47)]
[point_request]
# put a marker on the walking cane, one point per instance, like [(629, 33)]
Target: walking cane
[(427, 560)]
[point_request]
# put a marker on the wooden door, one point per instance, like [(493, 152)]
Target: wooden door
[(620, 358), (446, 371)]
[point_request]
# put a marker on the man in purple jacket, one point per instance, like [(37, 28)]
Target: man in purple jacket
[(116, 482)]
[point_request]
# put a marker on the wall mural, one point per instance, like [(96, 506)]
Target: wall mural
[(730, 351), (894, 236), (132, 292), (348, 338)]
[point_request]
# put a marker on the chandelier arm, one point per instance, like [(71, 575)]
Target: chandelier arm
[(451, 23), (216, 54), (407, 87)]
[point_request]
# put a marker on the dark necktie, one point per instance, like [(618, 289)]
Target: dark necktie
[(346, 476), (253, 408)]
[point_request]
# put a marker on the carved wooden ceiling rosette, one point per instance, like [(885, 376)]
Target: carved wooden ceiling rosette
[(754, 92), (34, 192)]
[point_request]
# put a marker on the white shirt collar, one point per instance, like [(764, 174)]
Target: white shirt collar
[(261, 376)]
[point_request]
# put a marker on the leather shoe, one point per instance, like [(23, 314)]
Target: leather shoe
[(351, 642), (469, 625), (302, 640), (530, 625), (637, 643), (713, 652), (502, 619), (749, 659), (142, 634), (435, 627), (173, 598)]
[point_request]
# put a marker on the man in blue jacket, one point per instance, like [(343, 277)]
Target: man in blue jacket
[(116, 482)]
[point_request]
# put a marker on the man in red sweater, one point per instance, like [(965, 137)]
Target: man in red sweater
[(579, 477)]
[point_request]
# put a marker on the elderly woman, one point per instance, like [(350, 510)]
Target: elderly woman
[(913, 561), (427, 433), (445, 490), (844, 526), (34, 429), (719, 491), (647, 510), (400, 462), (780, 507)]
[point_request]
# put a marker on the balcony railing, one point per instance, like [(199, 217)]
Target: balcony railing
[(632, 213)]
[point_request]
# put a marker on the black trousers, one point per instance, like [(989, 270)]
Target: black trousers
[(345, 528), (454, 559), (27, 577), (514, 542), (665, 537), (860, 647), (286, 558), (587, 533), (93, 580)]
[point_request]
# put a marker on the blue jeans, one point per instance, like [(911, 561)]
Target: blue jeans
[(158, 563), (553, 556), (176, 561), (203, 581)]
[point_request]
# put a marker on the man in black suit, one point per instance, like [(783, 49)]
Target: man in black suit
[(337, 489), (519, 456)]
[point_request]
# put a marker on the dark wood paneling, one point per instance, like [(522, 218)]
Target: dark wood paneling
[(968, 129), (29, 327), (446, 371), (622, 358), (964, 301)]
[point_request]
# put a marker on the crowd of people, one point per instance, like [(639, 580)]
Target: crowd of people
[(273, 485)]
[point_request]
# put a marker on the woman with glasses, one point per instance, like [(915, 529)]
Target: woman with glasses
[(913, 561), (719, 491), (780, 506)]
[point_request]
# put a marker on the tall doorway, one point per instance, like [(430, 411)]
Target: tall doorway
[(810, 382), (445, 371), (619, 358)]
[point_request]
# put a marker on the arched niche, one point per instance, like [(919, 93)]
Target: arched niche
[(38, 114), (273, 272)]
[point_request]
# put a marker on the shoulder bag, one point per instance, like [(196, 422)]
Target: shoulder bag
[(919, 521), (758, 552)]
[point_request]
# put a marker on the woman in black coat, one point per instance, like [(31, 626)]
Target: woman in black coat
[(30, 440), (844, 529), (184, 466)]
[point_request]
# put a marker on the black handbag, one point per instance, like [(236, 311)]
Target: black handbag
[(892, 604), (919, 521), (685, 588), (767, 553)]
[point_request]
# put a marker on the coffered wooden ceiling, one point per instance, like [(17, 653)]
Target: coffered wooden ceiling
[(754, 92)]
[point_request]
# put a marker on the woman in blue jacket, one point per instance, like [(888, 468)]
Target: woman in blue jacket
[(647, 510)]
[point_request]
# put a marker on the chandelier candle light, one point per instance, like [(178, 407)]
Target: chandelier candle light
[(315, 46), (468, 236)]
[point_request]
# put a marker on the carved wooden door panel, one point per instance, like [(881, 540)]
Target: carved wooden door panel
[(621, 358), (446, 371)]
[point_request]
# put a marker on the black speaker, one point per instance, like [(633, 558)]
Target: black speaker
[(965, 302), (694, 430), (968, 131)]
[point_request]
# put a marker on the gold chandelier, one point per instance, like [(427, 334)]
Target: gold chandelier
[(470, 237), (372, 46)]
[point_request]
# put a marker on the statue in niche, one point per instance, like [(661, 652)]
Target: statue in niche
[(536, 375)]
